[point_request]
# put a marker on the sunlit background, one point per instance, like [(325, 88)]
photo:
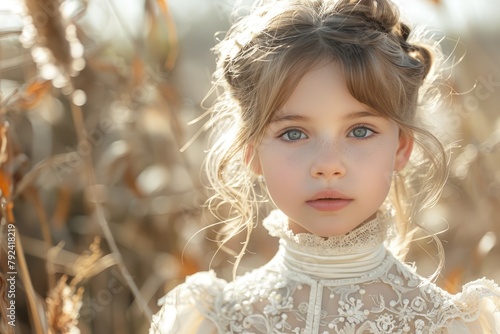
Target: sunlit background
[(94, 110)]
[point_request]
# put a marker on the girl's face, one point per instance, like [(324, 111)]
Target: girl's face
[(328, 159)]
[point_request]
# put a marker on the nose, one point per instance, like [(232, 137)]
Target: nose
[(328, 164)]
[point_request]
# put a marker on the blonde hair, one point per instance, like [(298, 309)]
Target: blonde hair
[(263, 57)]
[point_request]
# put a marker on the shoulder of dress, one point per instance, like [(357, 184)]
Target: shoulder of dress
[(476, 292), (206, 286), (203, 285), (482, 284), (254, 285), (476, 308), (471, 297), (189, 305)]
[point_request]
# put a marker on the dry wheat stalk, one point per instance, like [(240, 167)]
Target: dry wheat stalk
[(65, 300), (63, 307), (53, 43)]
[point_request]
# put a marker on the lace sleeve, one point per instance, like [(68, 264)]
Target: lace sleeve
[(480, 304), (189, 308)]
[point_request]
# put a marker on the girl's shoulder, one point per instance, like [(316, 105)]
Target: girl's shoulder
[(206, 287), (203, 286), (204, 301), (474, 309), (189, 307)]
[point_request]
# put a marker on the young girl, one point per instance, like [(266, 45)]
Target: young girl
[(322, 108)]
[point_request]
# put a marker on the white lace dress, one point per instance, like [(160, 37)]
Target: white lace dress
[(342, 285)]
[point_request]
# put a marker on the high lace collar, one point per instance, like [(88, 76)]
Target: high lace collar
[(352, 255)]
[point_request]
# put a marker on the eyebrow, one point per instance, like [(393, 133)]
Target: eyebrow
[(348, 117)]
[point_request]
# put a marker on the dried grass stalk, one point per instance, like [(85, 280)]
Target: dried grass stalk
[(6, 186), (65, 300), (7, 216), (63, 307), (47, 20), (91, 262), (53, 43)]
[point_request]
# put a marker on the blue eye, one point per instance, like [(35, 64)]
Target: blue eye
[(361, 132), (293, 135)]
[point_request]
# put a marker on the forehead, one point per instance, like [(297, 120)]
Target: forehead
[(322, 79), (322, 89)]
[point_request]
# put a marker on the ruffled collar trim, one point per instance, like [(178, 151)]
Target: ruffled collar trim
[(367, 236)]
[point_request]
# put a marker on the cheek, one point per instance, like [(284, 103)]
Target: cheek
[(374, 165), (369, 156), (279, 167)]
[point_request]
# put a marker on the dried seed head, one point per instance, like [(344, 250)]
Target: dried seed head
[(63, 307), (53, 42)]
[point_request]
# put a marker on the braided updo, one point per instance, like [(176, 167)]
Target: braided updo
[(262, 59)]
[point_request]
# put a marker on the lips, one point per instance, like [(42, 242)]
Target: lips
[(329, 195), (329, 200)]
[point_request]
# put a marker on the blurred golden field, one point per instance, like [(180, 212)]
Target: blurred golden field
[(95, 101)]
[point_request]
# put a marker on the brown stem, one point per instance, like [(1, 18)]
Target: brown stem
[(99, 212), (28, 286), (44, 224)]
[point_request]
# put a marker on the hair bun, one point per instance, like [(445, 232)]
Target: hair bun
[(383, 16), (404, 31), (420, 53), (424, 56)]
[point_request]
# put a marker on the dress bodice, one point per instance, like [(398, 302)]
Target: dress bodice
[(338, 285)]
